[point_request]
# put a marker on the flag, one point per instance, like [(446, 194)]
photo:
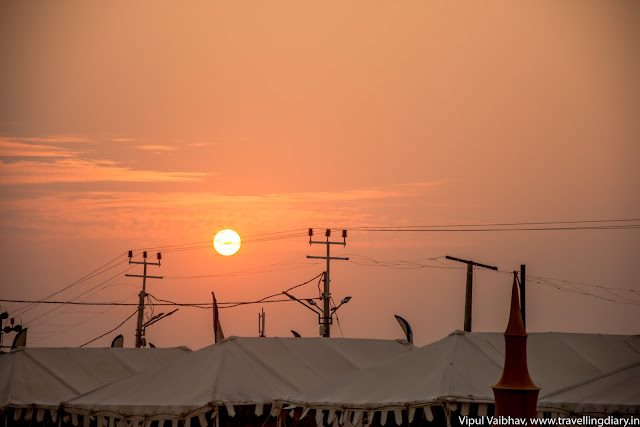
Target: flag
[(217, 328), (20, 339), (406, 327), (118, 341)]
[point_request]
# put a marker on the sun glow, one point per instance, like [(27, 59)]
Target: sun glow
[(226, 242)]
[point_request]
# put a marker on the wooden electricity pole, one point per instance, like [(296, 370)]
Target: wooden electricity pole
[(469, 292)]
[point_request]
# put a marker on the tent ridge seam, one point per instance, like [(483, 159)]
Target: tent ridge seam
[(63, 382)]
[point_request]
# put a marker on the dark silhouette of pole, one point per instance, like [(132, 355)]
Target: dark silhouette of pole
[(326, 295), (468, 299), (523, 295), (143, 293)]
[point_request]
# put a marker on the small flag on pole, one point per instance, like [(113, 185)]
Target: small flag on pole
[(20, 339), (217, 328), (406, 327), (118, 341)]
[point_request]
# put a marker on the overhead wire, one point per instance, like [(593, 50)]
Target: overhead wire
[(295, 265), (505, 224), (462, 229), (553, 283), (30, 323), (337, 318), (400, 264), (56, 333), (82, 279), (108, 332)]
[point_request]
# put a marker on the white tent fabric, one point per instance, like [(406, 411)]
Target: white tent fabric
[(462, 367), (235, 371), (46, 377), (608, 393)]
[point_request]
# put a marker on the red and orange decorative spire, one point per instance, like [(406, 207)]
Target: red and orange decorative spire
[(516, 395)]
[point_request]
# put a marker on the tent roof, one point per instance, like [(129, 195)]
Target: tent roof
[(614, 391), (237, 371), (46, 377), (463, 366)]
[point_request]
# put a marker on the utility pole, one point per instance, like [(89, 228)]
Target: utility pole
[(523, 295), (469, 293), (143, 293), (326, 320)]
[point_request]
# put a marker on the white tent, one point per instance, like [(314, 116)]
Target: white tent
[(616, 391), (235, 371), (43, 378), (459, 370)]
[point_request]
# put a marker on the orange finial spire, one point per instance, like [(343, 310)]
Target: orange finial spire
[(515, 327), (516, 395)]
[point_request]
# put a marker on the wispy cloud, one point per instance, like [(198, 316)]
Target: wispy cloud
[(62, 139), (194, 213), (78, 170), (48, 160), (200, 144), (12, 148), (155, 147)]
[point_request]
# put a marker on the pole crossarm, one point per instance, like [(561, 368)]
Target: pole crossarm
[(143, 263), (321, 242), (148, 277), (476, 264), (324, 257)]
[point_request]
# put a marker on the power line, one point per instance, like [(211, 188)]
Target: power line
[(78, 296), (553, 283), (254, 238), (295, 264), (401, 264), (53, 334), (107, 333), (436, 230), (164, 302), (78, 281), (501, 224)]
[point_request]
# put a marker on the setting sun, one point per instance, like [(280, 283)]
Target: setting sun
[(226, 242)]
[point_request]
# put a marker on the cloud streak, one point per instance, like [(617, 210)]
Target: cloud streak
[(77, 170), (156, 147), (124, 212), (17, 148), (39, 161)]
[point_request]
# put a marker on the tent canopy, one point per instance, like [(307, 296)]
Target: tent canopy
[(46, 377), (613, 391), (236, 371), (463, 366)]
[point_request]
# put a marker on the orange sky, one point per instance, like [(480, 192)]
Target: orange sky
[(128, 125)]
